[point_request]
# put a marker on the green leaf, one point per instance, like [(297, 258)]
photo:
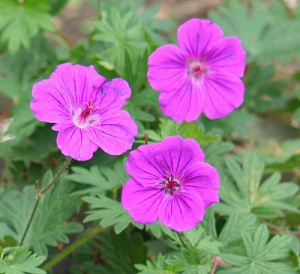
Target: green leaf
[(18, 260), (203, 243), (238, 123), (50, 224), (99, 180), (135, 71), (119, 33), (156, 267), (186, 130), (242, 191), (122, 252), (236, 225), (109, 212), (152, 26), (20, 21), (57, 5), (259, 29), (215, 152), (196, 269), (264, 92), (279, 156), (261, 254)]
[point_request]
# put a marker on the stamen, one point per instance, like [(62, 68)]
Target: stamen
[(197, 69), (170, 185), (84, 117)]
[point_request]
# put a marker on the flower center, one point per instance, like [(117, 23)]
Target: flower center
[(170, 185), (85, 116), (197, 69)]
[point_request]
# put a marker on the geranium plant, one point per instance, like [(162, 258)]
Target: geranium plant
[(136, 151)]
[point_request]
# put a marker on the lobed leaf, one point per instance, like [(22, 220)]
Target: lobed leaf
[(109, 212), (242, 190), (20, 21), (19, 260)]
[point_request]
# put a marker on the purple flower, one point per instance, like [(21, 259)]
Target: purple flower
[(171, 183), (201, 74), (86, 111)]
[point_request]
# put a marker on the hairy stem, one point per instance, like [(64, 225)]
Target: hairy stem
[(68, 250), (41, 193), (62, 169)]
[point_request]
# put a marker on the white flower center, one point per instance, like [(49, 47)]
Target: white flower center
[(197, 69), (85, 116)]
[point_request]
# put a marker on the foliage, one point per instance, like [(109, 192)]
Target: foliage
[(260, 254), (22, 20), (246, 194), (255, 226), (50, 225), (260, 29), (18, 260)]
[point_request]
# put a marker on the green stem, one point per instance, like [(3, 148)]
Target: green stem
[(72, 247), (62, 169), (181, 240), (40, 195), (37, 201)]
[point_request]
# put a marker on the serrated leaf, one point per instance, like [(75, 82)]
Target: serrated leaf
[(135, 71), (120, 33), (50, 223), (196, 269), (18, 260), (186, 130), (235, 227), (259, 29), (20, 21), (243, 192), (109, 212), (156, 267), (100, 179), (261, 254), (122, 251), (198, 240), (264, 92)]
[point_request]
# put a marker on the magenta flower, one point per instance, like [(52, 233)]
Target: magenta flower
[(171, 183), (86, 111), (200, 75)]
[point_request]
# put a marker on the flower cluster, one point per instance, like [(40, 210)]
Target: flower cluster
[(86, 111), (169, 180), (171, 183), (200, 75)]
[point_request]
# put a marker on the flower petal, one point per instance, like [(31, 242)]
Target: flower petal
[(80, 83), (183, 104), (167, 67), (203, 179), (50, 103), (224, 93), (175, 155), (144, 167), (227, 56), (74, 142), (68, 87), (113, 94), (116, 133), (196, 36), (142, 203), (182, 211)]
